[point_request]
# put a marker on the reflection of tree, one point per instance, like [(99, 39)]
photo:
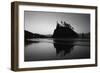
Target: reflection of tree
[(65, 46)]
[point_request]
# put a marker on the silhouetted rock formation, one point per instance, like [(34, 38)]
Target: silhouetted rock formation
[(64, 30)]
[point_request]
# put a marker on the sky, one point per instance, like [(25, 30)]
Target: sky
[(45, 22)]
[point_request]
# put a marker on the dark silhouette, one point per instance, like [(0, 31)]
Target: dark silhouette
[(61, 36), (84, 35), (30, 35), (64, 30), (66, 46)]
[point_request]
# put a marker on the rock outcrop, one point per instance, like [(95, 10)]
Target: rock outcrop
[(64, 30)]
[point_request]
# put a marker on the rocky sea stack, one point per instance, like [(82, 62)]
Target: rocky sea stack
[(64, 30)]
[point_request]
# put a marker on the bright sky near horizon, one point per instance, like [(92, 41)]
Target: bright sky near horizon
[(45, 22)]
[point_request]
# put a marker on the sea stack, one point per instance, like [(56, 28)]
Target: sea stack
[(64, 30)]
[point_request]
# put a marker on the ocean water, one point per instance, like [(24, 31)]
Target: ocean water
[(56, 49)]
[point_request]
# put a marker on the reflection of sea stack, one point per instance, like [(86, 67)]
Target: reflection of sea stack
[(66, 48), (64, 30)]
